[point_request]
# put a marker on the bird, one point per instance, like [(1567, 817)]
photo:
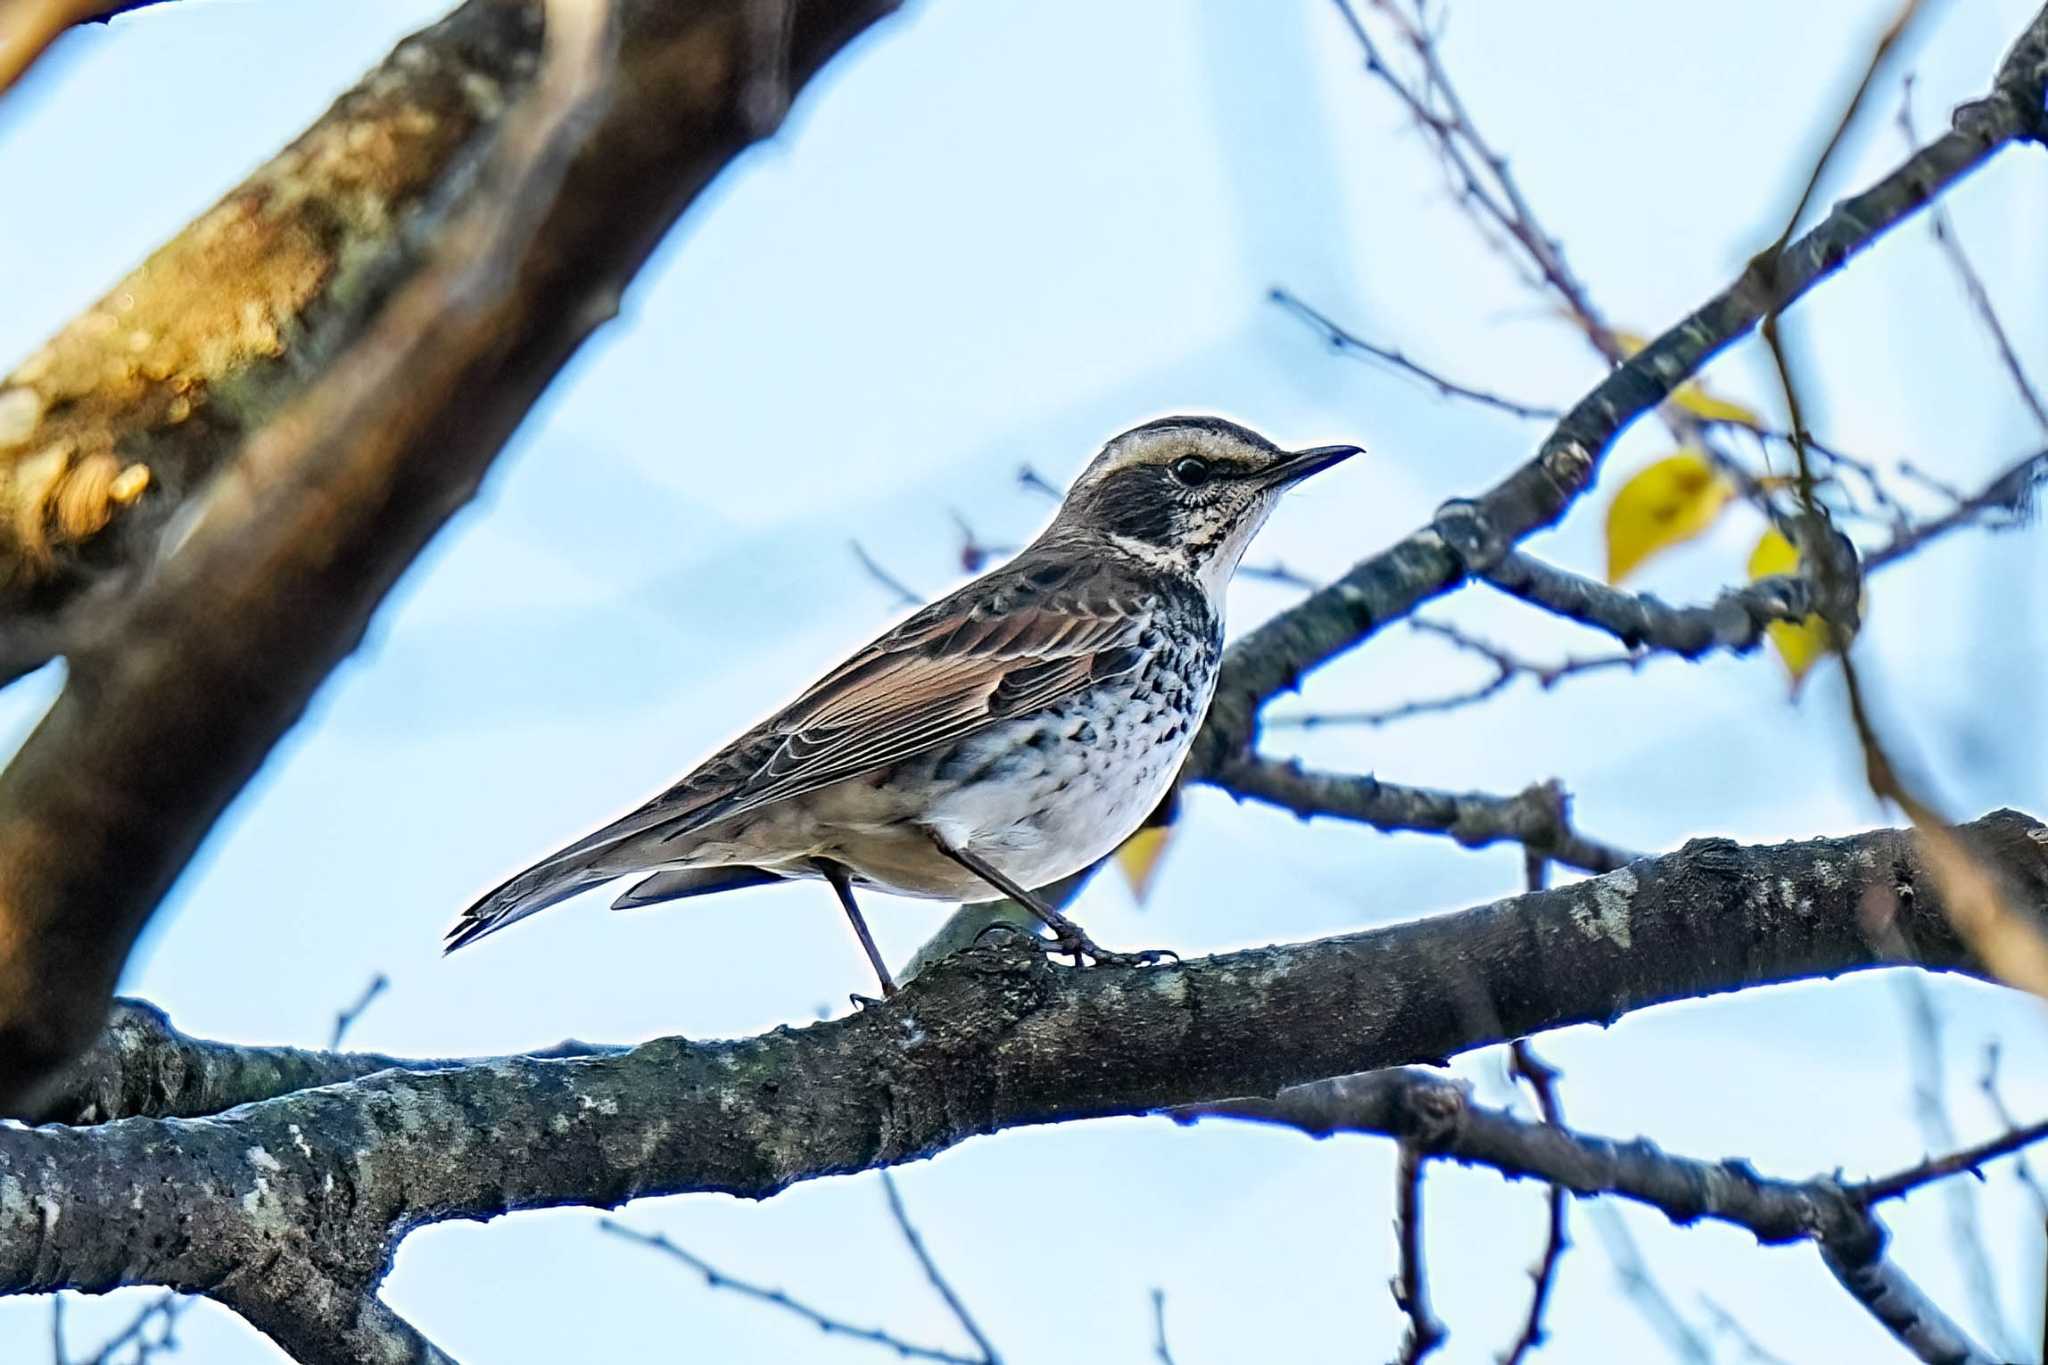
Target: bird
[(1009, 734)]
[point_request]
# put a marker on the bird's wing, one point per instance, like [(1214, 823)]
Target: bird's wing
[(1005, 645), (936, 679)]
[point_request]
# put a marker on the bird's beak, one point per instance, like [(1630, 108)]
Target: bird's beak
[(1303, 463)]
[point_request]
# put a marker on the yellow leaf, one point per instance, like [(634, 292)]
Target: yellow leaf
[(1138, 858), (1671, 501), (1693, 397), (1703, 405), (1800, 644)]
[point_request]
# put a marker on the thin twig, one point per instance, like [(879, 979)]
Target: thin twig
[(831, 1326), (1944, 231), (1433, 1115), (1459, 142), (1507, 668), (1160, 1351), (895, 586), (1541, 1077), (1988, 1083), (1640, 1287), (1727, 1324), (1346, 342), (915, 1242), (2008, 495), (1902, 1183), (1930, 1107), (345, 1020), (1411, 1287), (1032, 481)]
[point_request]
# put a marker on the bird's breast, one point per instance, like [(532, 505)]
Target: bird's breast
[(1046, 794)]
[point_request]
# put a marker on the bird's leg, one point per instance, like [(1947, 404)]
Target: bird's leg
[(1068, 936), (843, 886)]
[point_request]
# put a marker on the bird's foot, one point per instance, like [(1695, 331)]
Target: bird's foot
[(1069, 940)]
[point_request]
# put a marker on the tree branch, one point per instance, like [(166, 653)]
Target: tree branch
[(1434, 1116), (180, 685), (1533, 817), (317, 1187), (1391, 584)]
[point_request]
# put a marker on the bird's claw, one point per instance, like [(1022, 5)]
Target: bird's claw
[(1069, 941)]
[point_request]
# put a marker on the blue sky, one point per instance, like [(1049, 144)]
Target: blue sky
[(997, 234)]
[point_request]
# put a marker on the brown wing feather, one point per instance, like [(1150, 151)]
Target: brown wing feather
[(945, 673)]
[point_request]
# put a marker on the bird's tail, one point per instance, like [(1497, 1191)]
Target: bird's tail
[(548, 882)]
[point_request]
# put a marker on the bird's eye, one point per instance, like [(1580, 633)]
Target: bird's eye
[(1190, 471)]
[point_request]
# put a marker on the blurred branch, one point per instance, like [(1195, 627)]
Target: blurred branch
[(2012, 943), (1533, 817), (1160, 1351), (1431, 1115), (893, 585), (1641, 1288), (178, 687), (1507, 667), (1988, 1083), (1727, 1324), (152, 1332), (346, 1019), (984, 1040), (1348, 343), (715, 1278), (2009, 494), (1937, 1131), (1973, 284), (1390, 585)]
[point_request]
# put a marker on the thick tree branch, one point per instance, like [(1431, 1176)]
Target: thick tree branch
[(178, 689), (1391, 584), (316, 1187)]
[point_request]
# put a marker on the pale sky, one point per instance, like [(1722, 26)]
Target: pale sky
[(996, 234)]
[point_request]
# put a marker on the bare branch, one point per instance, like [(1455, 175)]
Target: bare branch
[(715, 1278), (890, 582), (1930, 1107), (1988, 1083), (1507, 668), (983, 1040), (346, 1019), (1160, 1351), (1349, 343), (1434, 1116), (1727, 1324), (1541, 1077), (940, 1284), (2008, 500), (179, 686), (1411, 1285), (1632, 1272), (1473, 819), (1735, 622), (1390, 585), (1973, 284)]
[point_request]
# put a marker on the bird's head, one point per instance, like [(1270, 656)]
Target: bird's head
[(1186, 493)]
